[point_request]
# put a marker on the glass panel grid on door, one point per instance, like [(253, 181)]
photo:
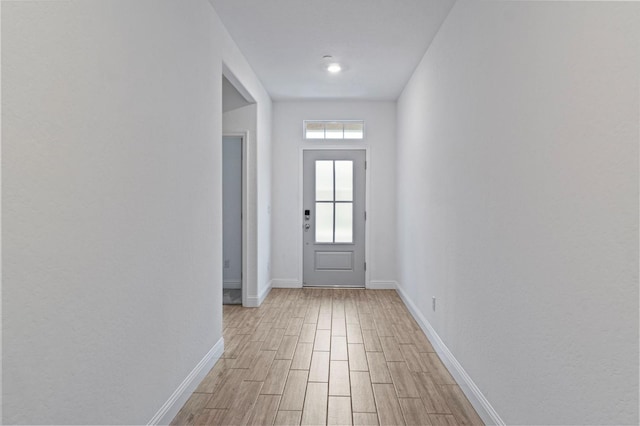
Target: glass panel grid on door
[(334, 201)]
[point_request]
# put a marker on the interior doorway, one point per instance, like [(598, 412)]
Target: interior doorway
[(232, 183)]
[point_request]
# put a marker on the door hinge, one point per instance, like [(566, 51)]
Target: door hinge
[(365, 215), (365, 165), (365, 266)]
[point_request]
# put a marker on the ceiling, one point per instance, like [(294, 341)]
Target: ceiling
[(378, 43)]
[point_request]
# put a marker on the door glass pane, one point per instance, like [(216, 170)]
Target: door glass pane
[(344, 180), (324, 222), (324, 180), (344, 222), (334, 131)]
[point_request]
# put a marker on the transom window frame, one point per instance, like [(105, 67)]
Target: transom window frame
[(324, 123)]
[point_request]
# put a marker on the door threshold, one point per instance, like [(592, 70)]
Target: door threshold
[(350, 287)]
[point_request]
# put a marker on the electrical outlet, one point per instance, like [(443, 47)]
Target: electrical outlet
[(226, 263), (433, 303)]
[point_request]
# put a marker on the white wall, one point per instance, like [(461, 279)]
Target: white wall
[(380, 128), (112, 203), (232, 211), (518, 204)]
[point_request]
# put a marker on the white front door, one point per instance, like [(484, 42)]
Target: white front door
[(334, 218)]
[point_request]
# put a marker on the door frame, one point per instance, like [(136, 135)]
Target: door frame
[(367, 193), (244, 136)]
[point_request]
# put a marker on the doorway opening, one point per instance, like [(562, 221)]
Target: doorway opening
[(238, 126), (232, 147)]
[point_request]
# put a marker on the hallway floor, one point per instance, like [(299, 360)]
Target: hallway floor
[(327, 356)]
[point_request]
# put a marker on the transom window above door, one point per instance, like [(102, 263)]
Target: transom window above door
[(352, 129)]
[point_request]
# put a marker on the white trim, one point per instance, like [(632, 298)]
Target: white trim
[(170, 409), (472, 392), (285, 283), (232, 284), (256, 301), (382, 285)]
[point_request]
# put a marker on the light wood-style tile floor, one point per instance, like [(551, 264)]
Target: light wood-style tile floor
[(326, 356)]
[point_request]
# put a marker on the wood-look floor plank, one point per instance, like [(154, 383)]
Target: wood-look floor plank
[(274, 337), (288, 418), (339, 411), (210, 417), (294, 327), (421, 342), (311, 317), (437, 369), (242, 405), (391, 349), (431, 394), (415, 360), (294, 390), (384, 328), (264, 411), (319, 371), (378, 368), (365, 419), (191, 410), (371, 341), (403, 334), (388, 407), (315, 404), (354, 333), (362, 393), (245, 358), (323, 340), (357, 357), (260, 368), (414, 411), (339, 378), (215, 376), (307, 333), (287, 347), (324, 323), (276, 377), (338, 327), (366, 321), (302, 356), (226, 392), (403, 380), (339, 348), (358, 351), (443, 420), (460, 406)]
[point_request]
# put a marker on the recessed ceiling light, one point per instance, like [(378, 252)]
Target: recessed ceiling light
[(334, 68)]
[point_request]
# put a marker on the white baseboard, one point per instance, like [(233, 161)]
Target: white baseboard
[(282, 283), (232, 284), (170, 409), (256, 301), (382, 285), (472, 392)]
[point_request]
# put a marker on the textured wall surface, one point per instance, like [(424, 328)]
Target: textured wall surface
[(111, 203), (518, 204)]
